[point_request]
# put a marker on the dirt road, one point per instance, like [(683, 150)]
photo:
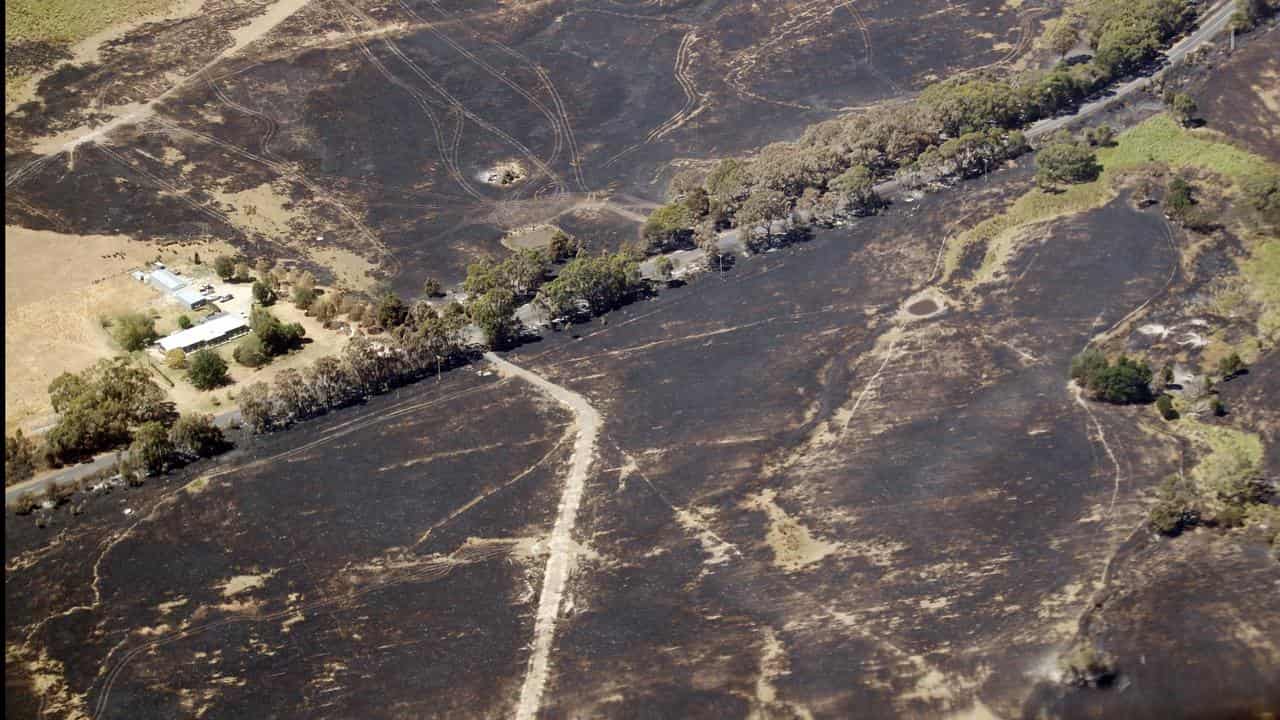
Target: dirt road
[(561, 544)]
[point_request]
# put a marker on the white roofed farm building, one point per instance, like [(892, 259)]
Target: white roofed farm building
[(217, 329), (191, 298), (166, 280)]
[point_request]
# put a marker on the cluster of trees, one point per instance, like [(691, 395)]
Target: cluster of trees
[(427, 342), (111, 405), (957, 128), (158, 447), (1065, 162), (268, 337), (592, 285), (496, 289), (1127, 34), (1125, 381), (99, 408), (1251, 12), (1226, 489)]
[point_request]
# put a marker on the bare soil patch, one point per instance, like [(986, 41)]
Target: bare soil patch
[(531, 238)]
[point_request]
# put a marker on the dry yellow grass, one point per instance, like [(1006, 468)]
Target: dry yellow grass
[(323, 342), (57, 288)]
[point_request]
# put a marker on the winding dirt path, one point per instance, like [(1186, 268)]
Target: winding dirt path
[(560, 560)]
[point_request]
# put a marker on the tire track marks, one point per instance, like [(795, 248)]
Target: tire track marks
[(551, 118), (453, 102)]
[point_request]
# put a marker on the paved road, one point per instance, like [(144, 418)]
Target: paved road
[(73, 473), (1215, 21)]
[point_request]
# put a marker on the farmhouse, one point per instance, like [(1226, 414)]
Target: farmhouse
[(216, 329), (191, 298), (166, 280)]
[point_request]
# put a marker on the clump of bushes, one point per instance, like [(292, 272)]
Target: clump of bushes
[(1164, 404), (1125, 381), (20, 458), (1176, 508), (1230, 366), (157, 447), (134, 331), (1066, 162)]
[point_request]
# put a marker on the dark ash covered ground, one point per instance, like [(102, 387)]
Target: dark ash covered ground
[(373, 125), (807, 502)]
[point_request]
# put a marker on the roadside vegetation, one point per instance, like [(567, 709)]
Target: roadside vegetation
[(406, 341), (957, 128), (113, 405)]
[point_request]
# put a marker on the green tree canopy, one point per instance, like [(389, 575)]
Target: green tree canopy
[(392, 312), (195, 435), (494, 313), (98, 407), (134, 331), (251, 351), (668, 226), (1062, 163), (207, 370), (151, 448), (19, 458), (225, 266)]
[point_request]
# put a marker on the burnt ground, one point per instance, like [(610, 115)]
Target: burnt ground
[(1239, 95), (323, 578), (372, 125), (805, 502), (903, 522)]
